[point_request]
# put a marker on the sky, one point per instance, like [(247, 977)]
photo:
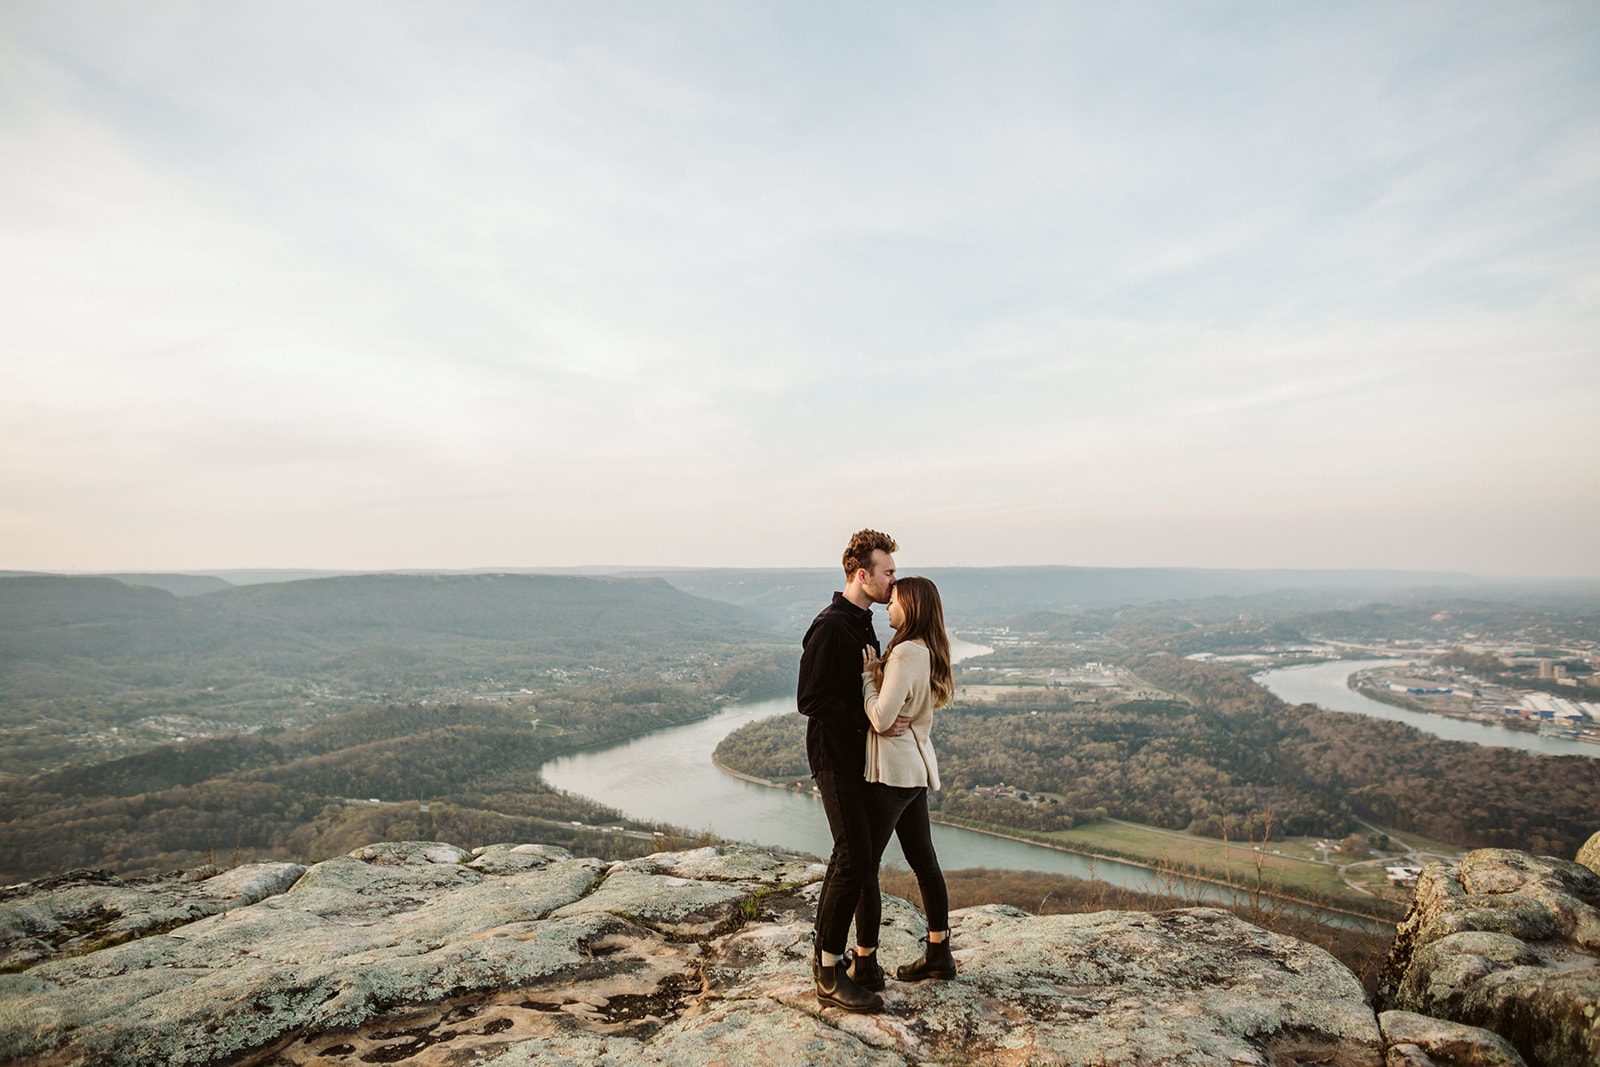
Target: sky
[(426, 284)]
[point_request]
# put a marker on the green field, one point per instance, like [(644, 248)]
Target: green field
[(1285, 864), (1424, 844)]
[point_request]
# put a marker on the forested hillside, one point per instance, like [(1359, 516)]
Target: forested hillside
[(1165, 763), (52, 621), (465, 773), (1472, 795), (91, 668)]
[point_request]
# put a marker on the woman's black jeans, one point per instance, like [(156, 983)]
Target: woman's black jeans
[(902, 811)]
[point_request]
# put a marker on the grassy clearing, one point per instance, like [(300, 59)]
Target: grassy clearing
[(1222, 859), (1374, 878), (1424, 844)]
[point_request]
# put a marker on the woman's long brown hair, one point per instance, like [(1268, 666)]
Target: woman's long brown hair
[(925, 621)]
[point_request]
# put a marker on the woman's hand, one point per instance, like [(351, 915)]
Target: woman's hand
[(869, 659)]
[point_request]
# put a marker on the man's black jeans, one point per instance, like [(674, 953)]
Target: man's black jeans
[(845, 801)]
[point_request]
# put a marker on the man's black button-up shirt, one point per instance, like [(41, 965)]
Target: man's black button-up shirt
[(830, 687)]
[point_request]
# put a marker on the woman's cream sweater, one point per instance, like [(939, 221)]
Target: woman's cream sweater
[(907, 760)]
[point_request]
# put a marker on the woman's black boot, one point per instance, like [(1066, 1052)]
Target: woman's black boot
[(936, 962), (835, 989), (865, 972)]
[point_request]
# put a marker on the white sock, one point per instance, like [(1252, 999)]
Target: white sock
[(830, 959)]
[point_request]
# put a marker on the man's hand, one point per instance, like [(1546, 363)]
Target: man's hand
[(900, 725)]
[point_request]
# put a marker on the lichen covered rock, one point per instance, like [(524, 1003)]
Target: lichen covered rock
[(511, 858), (415, 952), (79, 911), (1508, 942), (1419, 1039), (350, 941), (1193, 986), (1589, 854)]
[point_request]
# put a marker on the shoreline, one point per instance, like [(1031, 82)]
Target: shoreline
[(1366, 687), (1182, 875), (725, 769), (1451, 725)]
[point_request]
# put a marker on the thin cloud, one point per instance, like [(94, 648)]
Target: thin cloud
[(551, 285)]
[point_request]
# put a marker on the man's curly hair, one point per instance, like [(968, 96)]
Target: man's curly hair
[(858, 554)]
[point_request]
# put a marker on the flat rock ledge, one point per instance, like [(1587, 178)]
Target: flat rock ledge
[(419, 953), (1510, 943)]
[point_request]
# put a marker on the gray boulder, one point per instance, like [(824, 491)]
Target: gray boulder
[(689, 893), (511, 858), (1418, 1039), (1508, 942), (410, 853)]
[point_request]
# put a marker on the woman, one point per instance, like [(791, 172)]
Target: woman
[(911, 679)]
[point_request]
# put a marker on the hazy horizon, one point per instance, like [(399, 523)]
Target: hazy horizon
[(1228, 286), (921, 566)]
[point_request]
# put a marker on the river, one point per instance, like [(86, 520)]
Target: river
[(667, 777), (1324, 684)]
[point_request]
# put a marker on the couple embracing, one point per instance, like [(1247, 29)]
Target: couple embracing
[(868, 744)]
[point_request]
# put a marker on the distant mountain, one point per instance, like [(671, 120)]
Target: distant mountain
[(57, 621), (261, 575), (501, 607), (1000, 591), (176, 584), (82, 623), (92, 667), (789, 598)]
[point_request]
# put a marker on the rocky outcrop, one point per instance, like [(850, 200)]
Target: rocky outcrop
[(83, 910), (1589, 854), (1511, 943), (1420, 1041), (419, 953)]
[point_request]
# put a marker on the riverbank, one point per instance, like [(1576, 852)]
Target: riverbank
[(752, 779), (1163, 872), (1384, 695), (1363, 685), (1328, 685)]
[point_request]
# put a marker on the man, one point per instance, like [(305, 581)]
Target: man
[(836, 747)]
